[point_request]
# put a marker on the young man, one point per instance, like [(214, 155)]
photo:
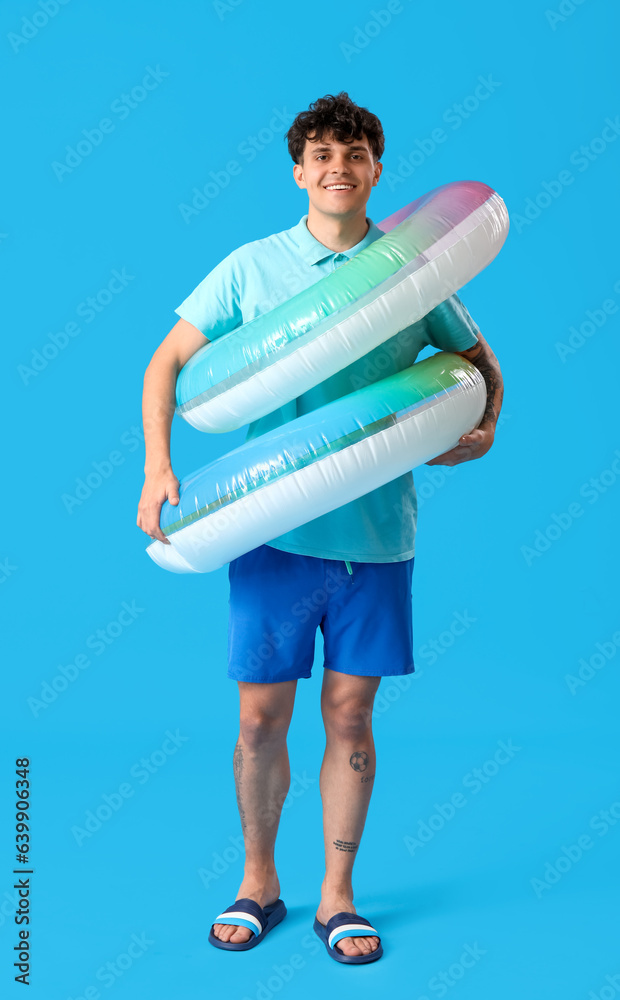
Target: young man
[(364, 611)]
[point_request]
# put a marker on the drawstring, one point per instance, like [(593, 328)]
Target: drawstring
[(350, 571)]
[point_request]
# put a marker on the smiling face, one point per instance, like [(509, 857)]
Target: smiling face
[(338, 176)]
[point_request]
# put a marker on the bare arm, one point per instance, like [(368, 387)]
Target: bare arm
[(487, 364), (158, 404), (477, 442)]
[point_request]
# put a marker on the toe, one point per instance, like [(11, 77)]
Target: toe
[(240, 935), (350, 946), (358, 945), (224, 932)]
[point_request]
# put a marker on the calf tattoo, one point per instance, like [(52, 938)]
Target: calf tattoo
[(238, 768), (238, 762), (359, 760), (349, 846)]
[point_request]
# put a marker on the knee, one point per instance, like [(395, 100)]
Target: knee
[(348, 720), (258, 727)]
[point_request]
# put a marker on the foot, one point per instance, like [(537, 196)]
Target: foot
[(262, 891), (332, 904)]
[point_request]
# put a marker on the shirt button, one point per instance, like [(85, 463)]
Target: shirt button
[(339, 258)]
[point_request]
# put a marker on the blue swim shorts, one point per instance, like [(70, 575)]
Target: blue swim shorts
[(277, 600)]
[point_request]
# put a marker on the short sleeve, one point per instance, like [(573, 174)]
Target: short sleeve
[(214, 306), (449, 327)]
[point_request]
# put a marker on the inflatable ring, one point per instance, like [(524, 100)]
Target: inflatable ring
[(432, 247), (319, 461)]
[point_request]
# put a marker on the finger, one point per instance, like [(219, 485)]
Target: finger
[(446, 459), (158, 534), (151, 526), (454, 458)]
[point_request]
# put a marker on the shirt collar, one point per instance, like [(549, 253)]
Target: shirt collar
[(313, 252)]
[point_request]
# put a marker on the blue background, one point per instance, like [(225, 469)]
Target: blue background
[(165, 862)]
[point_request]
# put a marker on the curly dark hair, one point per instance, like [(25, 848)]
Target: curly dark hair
[(337, 115)]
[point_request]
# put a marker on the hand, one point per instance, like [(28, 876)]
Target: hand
[(472, 445), (157, 489)]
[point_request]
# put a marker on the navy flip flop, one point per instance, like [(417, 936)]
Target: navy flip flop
[(343, 925), (248, 913)]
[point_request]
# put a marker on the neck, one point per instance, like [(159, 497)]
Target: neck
[(337, 233)]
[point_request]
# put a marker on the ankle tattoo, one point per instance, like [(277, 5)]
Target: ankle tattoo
[(349, 846)]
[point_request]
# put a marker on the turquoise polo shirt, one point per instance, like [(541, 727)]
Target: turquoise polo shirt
[(379, 526)]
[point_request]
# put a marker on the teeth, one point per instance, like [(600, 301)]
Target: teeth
[(339, 187)]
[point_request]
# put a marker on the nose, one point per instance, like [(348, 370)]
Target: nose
[(340, 166)]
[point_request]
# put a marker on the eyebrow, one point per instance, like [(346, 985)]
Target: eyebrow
[(327, 149)]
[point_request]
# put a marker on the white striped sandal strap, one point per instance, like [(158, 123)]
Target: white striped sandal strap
[(343, 925), (244, 913)]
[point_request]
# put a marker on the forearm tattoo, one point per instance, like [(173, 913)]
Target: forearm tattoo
[(348, 846), (485, 361)]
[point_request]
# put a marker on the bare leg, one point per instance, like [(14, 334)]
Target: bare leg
[(262, 780), (347, 777)]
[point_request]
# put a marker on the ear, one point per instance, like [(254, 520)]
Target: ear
[(298, 174), (378, 169)]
